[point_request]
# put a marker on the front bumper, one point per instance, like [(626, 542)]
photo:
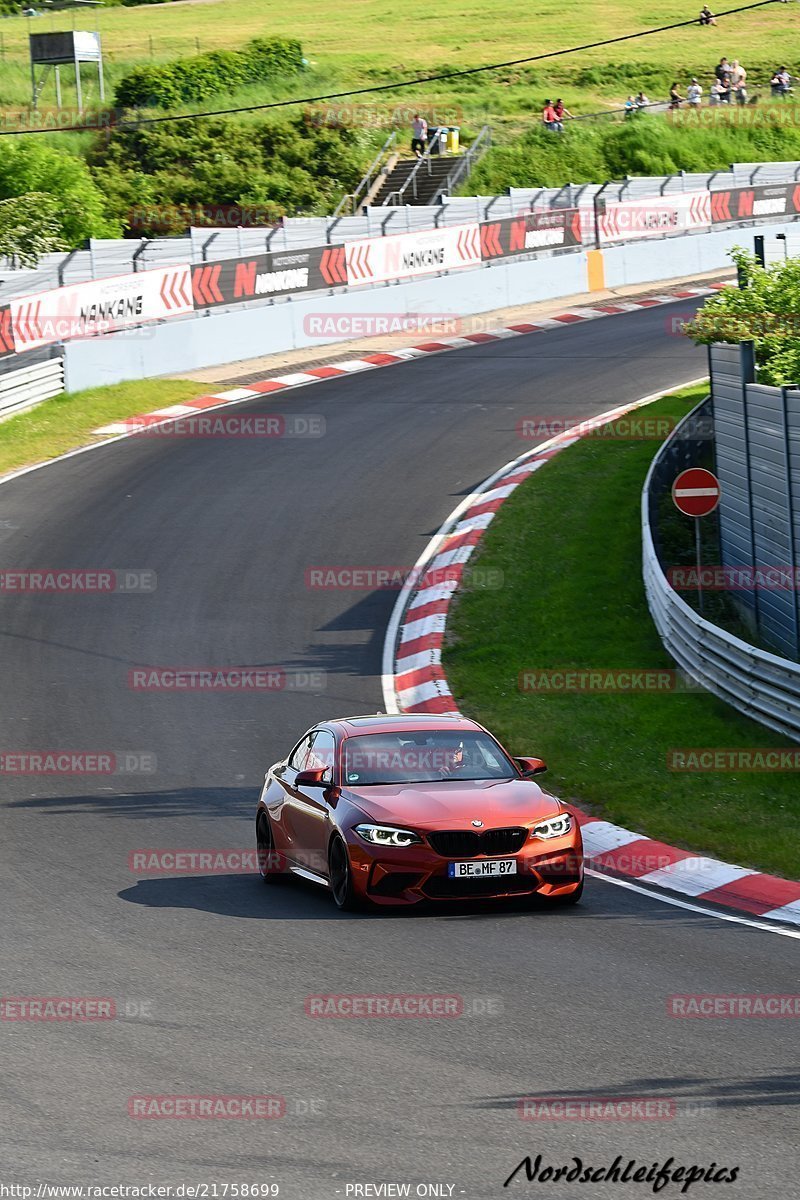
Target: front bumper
[(410, 875)]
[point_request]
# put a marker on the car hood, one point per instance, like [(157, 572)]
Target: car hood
[(456, 804)]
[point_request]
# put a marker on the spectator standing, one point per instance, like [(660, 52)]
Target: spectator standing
[(706, 16), (694, 94), (419, 135)]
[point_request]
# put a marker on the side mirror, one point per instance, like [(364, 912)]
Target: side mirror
[(314, 778), (531, 766)]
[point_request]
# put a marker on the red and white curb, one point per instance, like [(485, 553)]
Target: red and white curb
[(281, 383), (413, 681)]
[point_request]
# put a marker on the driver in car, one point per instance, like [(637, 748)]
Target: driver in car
[(454, 760)]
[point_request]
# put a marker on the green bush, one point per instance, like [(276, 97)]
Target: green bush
[(186, 80), (158, 177)]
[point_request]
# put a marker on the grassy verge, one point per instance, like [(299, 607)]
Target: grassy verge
[(67, 421), (569, 547), (367, 41)]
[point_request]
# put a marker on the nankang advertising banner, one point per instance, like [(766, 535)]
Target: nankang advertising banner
[(654, 216), (251, 277), (750, 203), (100, 306), (373, 260), (545, 230)]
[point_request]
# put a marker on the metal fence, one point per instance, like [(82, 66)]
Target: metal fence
[(760, 685), (107, 257), (758, 464)]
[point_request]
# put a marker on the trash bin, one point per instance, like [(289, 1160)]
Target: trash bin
[(437, 139), (454, 139)]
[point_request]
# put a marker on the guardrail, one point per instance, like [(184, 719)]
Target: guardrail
[(30, 385), (348, 205), (758, 684)]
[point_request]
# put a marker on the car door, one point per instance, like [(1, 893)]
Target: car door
[(310, 807), (284, 816)]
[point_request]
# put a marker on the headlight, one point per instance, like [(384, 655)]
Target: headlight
[(387, 835), (553, 827)]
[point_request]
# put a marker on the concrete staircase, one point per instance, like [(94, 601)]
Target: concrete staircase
[(422, 189)]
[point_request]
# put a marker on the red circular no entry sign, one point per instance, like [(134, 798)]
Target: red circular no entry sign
[(696, 492)]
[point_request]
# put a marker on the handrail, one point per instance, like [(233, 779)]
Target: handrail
[(462, 167), (760, 685), (366, 181), (423, 160)]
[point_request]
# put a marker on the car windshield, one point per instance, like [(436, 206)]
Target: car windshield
[(423, 756)]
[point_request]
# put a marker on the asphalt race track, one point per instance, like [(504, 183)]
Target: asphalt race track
[(214, 969)]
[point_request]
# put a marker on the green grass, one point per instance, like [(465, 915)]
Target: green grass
[(569, 547), (68, 421), (369, 41)]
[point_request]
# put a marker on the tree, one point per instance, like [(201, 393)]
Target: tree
[(27, 165), (763, 310), (29, 228)]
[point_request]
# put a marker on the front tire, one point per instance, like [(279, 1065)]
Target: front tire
[(340, 874), (268, 857)]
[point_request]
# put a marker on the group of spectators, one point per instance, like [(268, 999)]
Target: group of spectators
[(553, 115), (729, 87)]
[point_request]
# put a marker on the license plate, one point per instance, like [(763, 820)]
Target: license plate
[(469, 870)]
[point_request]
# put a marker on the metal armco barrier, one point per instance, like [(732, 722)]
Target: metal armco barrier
[(30, 385), (605, 216), (759, 684)]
